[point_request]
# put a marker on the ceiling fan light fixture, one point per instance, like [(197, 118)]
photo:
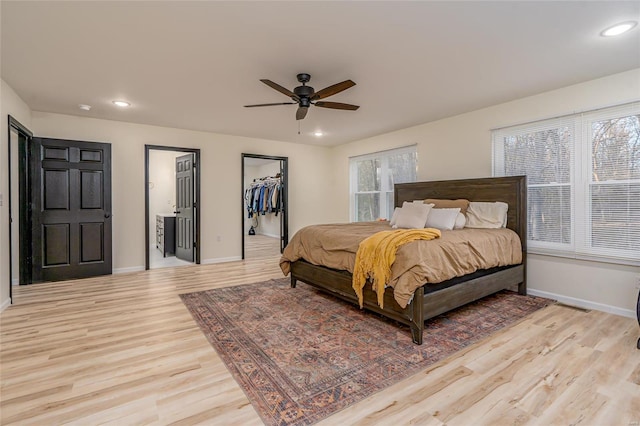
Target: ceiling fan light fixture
[(318, 133), (618, 29), (121, 104)]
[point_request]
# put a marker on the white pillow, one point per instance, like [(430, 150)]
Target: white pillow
[(487, 215), (412, 215), (442, 219), (461, 220), (394, 216)]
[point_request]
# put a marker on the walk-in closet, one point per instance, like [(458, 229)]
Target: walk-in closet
[(264, 205)]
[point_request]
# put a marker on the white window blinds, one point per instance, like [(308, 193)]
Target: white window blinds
[(583, 177)]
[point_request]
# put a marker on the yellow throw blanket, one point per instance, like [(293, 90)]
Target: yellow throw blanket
[(377, 253)]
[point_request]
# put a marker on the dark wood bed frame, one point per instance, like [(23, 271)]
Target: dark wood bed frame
[(434, 299)]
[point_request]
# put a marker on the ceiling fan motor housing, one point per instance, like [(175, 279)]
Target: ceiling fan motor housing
[(304, 92)]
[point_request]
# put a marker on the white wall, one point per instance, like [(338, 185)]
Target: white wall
[(249, 173), (222, 189), (10, 104), (460, 147), (162, 186)]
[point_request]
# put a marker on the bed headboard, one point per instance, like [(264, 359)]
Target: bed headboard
[(511, 190)]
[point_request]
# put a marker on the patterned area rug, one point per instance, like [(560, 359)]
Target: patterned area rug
[(301, 355)]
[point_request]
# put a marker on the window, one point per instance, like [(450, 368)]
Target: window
[(583, 177), (372, 179)]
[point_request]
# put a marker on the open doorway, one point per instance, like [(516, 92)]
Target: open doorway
[(264, 206), (18, 201), (172, 219)]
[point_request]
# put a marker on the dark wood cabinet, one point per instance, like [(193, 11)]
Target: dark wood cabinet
[(166, 234)]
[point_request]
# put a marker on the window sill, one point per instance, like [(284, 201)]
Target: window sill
[(585, 257)]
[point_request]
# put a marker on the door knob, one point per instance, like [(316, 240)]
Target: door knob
[(107, 215)]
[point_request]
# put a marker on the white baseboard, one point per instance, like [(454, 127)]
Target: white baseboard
[(5, 304), (221, 260), (203, 262), (127, 270), (581, 303)]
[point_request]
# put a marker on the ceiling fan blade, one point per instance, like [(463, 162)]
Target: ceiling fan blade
[(301, 113), (280, 89), (337, 105), (332, 90), (277, 103)]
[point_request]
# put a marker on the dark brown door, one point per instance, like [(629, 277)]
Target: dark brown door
[(71, 209), (184, 208)]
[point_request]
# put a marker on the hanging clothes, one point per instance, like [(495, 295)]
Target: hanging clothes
[(264, 196)]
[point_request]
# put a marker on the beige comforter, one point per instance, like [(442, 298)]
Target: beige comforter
[(456, 253)]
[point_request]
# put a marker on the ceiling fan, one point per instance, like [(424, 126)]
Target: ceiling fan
[(305, 96)]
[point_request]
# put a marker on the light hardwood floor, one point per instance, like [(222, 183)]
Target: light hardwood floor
[(124, 350), (260, 247)]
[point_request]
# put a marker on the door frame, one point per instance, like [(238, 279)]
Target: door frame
[(196, 207), (24, 216), (284, 225)]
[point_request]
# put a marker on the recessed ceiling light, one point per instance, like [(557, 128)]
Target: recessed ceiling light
[(618, 29), (121, 103), (318, 133), (84, 107)]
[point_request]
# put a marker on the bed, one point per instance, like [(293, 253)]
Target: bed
[(432, 299)]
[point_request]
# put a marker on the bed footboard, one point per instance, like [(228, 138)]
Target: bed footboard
[(338, 284), (422, 307)]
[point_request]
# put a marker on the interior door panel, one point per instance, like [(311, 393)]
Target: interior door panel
[(185, 208), (71, 210)]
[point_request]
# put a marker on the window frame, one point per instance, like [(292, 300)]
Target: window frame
[(384, 189), (585, 215), (581, 233)]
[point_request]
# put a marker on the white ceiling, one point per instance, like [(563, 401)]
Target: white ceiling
[(193, 65)]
